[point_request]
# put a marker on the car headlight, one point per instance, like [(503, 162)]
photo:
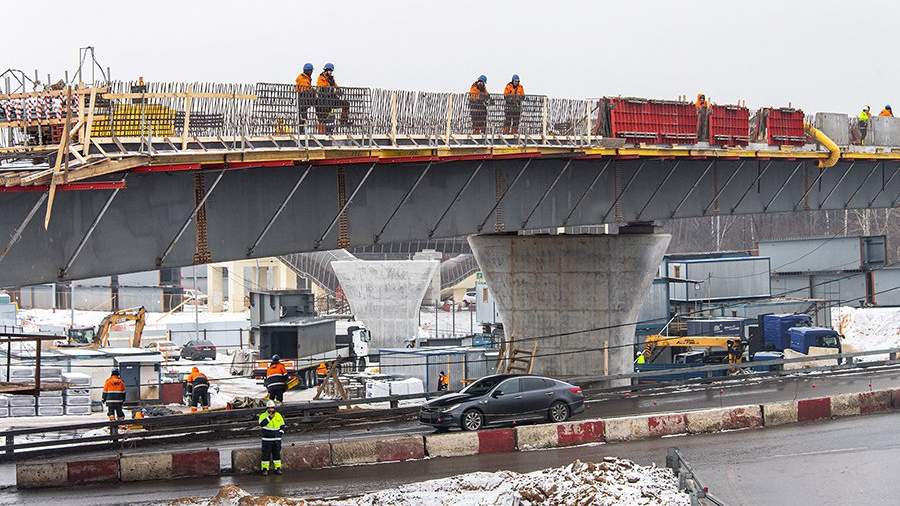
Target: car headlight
[(450, 408)]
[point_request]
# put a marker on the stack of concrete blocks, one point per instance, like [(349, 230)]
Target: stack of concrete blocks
[(50, 403), (22, 405), (4, 405), (883, 131), (77, 395), (835, 125)]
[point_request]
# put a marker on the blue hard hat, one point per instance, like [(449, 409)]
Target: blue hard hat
[(307, 67), (329, 66), (482, 78), (888, 106), (515, 77)]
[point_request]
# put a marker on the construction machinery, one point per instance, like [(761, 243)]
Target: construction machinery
[(724, 349), (98, 337)]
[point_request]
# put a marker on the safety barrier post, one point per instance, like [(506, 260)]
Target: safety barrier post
[(188, 103), (449, 119), (587, 121), (393, 118), (544, 114)]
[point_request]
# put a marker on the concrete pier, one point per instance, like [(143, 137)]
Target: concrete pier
[(386, 296), (551, 284)]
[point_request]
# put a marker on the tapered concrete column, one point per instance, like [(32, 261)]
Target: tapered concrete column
[(215, 289), (236, 288), (386, 296), (545, 285)]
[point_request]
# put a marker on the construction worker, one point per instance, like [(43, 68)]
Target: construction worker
[(512, 96), (478, 99), (306, 94), (199, 385), (887, 112), (321, 372), (443, 382), (276, 379), (114, 396), (701, 102), (272, 428), (329, 98), (641, 359), (702, 106), (863, 118)]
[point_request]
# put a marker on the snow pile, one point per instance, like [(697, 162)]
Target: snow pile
[(864, 329), (612, 481)]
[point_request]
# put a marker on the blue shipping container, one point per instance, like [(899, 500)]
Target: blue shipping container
[(716, 327), (775, 329), (804, 337)]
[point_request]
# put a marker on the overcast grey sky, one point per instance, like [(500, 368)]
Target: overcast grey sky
[(822, 55)]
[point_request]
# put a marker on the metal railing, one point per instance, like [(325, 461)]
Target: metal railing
[(688, 482)]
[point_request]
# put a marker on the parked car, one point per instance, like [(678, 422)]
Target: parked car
[(167, 349), (504, 398), (198, 349), (469, 297)]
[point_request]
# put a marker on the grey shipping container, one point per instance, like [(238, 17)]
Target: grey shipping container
[(297, 339), (711, 279), (716, 327)]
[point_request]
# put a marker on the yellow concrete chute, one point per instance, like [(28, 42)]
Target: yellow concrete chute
[(834, 151)]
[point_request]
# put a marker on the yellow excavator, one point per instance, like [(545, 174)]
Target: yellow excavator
[(732, 345), (98, 337)]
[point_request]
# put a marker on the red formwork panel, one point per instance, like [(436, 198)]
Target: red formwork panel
[(653, 121), (784, 126), (729, 125)]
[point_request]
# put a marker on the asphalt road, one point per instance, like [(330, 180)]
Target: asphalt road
[(845, 461)]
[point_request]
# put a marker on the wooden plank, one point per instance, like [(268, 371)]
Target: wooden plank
[(188, 102), (107, 167), (48, 93), (86, 139), (63, 148), (126, 96)]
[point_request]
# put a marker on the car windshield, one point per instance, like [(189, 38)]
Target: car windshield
[(830, 341), (482, 386)]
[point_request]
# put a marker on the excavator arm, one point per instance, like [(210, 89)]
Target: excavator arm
[(730, 343), (138, 315)]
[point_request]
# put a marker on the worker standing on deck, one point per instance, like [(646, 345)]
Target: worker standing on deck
[(478, 99), (702, 106), (329, 98), (443, 382), (863, 118), (886, 112), (114, 396), (272, 428), (321, 372), (640, 359), (306, 95), (276, 379), (199, 385), (512, 96)]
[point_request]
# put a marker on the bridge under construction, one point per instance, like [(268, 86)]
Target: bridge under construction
[(132, 176)]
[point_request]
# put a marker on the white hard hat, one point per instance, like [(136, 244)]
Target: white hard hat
[(270, 404)]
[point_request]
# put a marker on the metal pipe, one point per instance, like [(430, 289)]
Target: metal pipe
[(834, 152)]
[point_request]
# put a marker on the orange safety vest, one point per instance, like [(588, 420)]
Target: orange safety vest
[(886, 113), (513, 90), (114, 390), (325, 81), (322, 370), (444, 379), (276, 375), (477, 93), (304, 82)]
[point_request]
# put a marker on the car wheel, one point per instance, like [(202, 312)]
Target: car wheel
[(559, 412), (472, 420)]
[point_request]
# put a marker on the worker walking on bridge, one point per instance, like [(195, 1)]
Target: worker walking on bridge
[(306, 95), (272, 428), (114, 396), (886, 112), (199, 385), (276, 379), (478, 100), (328, 99), (863, 118), (512, 96)]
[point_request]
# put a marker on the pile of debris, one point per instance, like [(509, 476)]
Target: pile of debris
[(612, 481)]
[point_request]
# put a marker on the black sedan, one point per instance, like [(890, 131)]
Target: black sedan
[(198, 349), (504, 398)]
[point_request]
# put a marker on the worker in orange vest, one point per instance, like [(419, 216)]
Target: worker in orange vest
[(887, 112), (443, 382), (306, 95), (701, 102), (276, 379), (329, 98), (702, 106), (114, 396), (512, 95), (478, 99), (199, 385), (321, 372)]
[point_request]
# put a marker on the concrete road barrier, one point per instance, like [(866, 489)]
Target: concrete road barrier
[(246, 460), (666, 425), (44, 474), (779, 413), (877, 401), (716, 420), (533, 437), (195, 463), (845, 404), (628, 428), (576, 433), (303, 457), (354, 451), (453, 444), (402, 448), (813, 409), (92, 471), (145, 467), (496, 441)]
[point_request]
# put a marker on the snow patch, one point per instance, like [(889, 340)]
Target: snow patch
[(865, 329)]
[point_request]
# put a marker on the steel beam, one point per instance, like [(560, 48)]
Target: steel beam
[(21, 228), (455, 199), (503, 195), (841, 180), (885, 185), (281, 207), (190, 218), (865, 180), (722, 189), (754, 183), (403, 201), (658, 187), (586, 191), (693, 187), (90, 231), (625, 189), (783, 186), (344, 207), (811, 186), (546, 192)]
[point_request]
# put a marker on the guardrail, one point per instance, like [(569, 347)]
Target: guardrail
[(688, 481)]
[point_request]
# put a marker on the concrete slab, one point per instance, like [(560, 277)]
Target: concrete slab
[(845, 404), (716, 420), (196, 463), (779, 413), (355, 451), (44, 474), (813, 409), (245, 460), (151, 466), (576, 433), (94, 470), (496, 441), (627, 428), (452, 445), (401, 448), (667, 424), (302, 457), (874, 402), (532, 437)]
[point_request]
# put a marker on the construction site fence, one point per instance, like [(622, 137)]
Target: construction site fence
[(233, 112)]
